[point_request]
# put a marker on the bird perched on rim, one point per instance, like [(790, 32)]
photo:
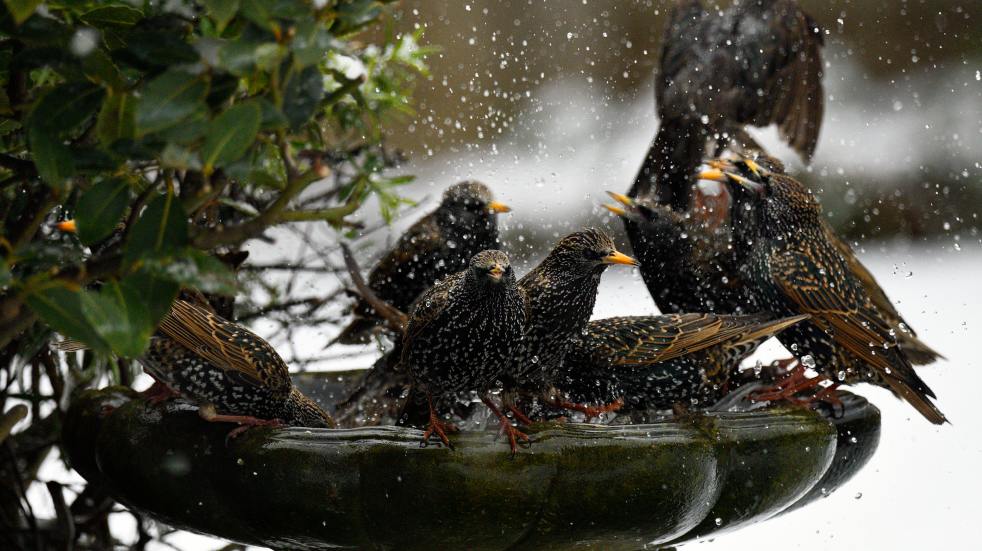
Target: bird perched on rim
[(232, 374), (462, 334), (795, 268), (758, 62), (763, 166), (561, 292), (686, 266), (437, 245), (656, 362)]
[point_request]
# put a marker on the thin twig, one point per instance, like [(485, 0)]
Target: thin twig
[(394, 317)]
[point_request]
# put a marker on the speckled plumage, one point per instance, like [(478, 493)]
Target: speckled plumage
[(917, 351), (463, 332), (654, 362), (439, 244), (757, 62), (795, 268), (561, 292), (210, 360)]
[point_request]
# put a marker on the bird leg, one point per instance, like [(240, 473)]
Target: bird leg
[(440, 428), (519, 415), (245, 422), (513, 434), (159, 393), (589, 411)]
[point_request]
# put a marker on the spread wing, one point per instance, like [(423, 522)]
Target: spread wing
[(853, 322), (227, 346)]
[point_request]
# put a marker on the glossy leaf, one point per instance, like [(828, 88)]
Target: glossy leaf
[(157, 48), (168, 100), (100, 210), (117, 15), (21, 9), (65, 107), (120, 317), (230, 135), (116, 119), (61, 309), (221, 11), (161, 229), (193, 268), (53, 158), (302, 96)]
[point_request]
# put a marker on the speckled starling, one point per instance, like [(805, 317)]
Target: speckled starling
[(231, 373), (656, 362), (561, 292), (462, 334), (918, 352), (437, 245), (686, 266), (757, 63), (795, 268)]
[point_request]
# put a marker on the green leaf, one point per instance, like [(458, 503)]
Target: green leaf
[(118, 16), (116, 119), (99, 67), (272, 119), (193, 268), (169, 99), (230, 135), (302, 96), (100, 209), (21, 9), (158, 48), (120, 316), (158, 293), (265, 13), (62, 310), (53, 158), (160, 230), (66, 106), (221, 11), (7, 126)]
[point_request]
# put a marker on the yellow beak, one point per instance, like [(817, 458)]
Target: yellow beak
[(496, 272), (617, 257), (753, 166), (621, 198), (615, 209), (498, 207), (67, 226), (714, 174)]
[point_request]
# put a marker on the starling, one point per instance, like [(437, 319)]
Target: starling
[(560, 292), (795, 268), (436, 246), (233, 374), (462, 334), (655, 362), (755, 63), (686, 266), (917, 351)]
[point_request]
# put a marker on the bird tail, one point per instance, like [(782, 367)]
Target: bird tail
[(917, 351), (70, 345), (912, 389)]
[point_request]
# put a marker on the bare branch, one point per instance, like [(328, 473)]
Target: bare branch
[(394, 317)]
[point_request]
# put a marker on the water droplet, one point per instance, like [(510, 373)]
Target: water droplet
[(808, 361), (859, 495), (719, 521)]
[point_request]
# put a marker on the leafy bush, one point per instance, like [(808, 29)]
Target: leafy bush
[(169, 132)]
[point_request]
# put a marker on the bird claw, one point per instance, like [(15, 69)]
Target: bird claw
[(246, 423), (440, 428), (158, 393), (591, 411)]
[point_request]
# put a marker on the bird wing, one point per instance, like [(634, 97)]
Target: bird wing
[(427, 308), (226, 345), (852, 321), (422, 239), (783, 65), (918, 352)]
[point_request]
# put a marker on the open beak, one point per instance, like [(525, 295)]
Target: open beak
[(67, 226), (496, 272), (621, 198), (498, 207), (615, 209), (617, 257), (715, 174)]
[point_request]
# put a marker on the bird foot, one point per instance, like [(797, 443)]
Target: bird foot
[(828, 396), (158, 393), (589, 411), (246, 422), (440, 428), (514, 435)]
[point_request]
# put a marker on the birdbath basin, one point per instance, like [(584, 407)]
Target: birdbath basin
[(579, 486)]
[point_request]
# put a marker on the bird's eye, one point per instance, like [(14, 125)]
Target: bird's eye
[(591, 254)]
